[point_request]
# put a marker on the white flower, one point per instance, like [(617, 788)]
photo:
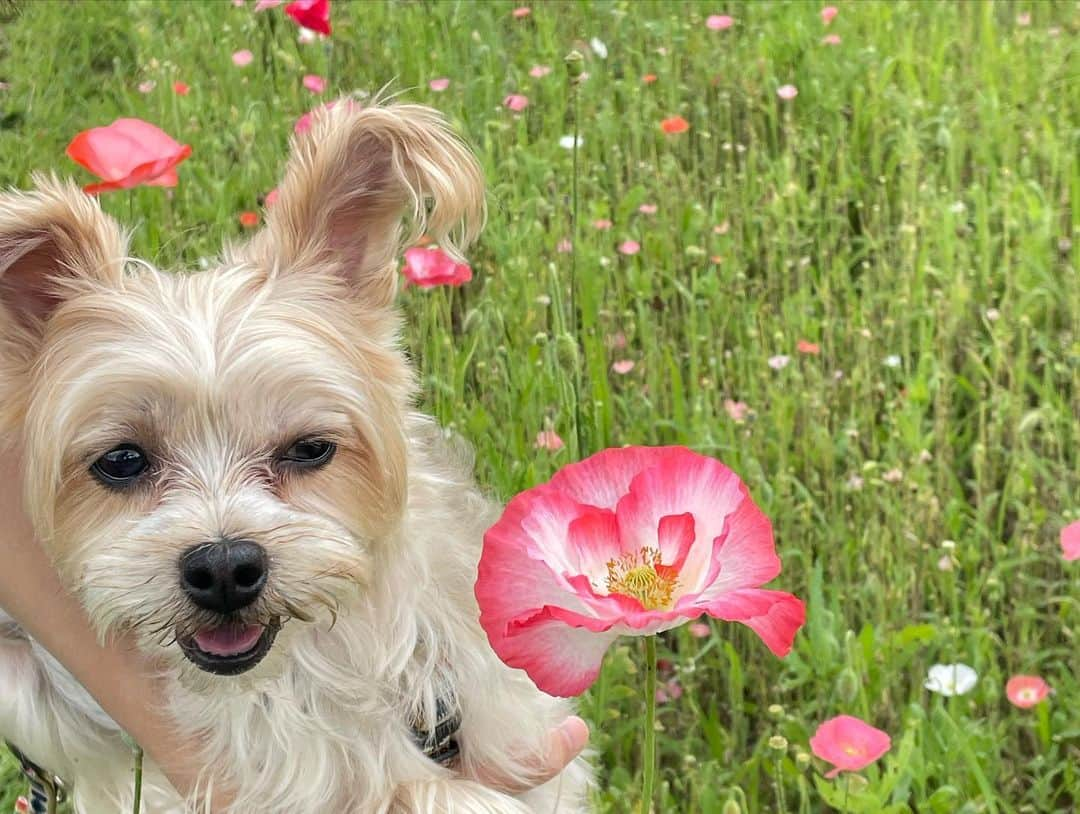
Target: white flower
[(892, 360), (779, 362), (598, 48), (567, 142), (951, 679), (306, 35)]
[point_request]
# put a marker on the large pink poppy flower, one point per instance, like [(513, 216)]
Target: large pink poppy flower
[(312, 14), (1070, 541), (430, 267), (127, 153), (631, 541), (849, 744)]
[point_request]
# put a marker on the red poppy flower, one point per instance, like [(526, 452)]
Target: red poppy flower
[(1026, 691), (181, 88), (432, 267), (676, 124), (649, 78), (806, 346), (127, 153), (313, 14), (849, 744), (631, 541), (249, 220)]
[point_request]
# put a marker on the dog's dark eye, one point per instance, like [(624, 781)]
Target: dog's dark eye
[(120, 466), (310, 452)]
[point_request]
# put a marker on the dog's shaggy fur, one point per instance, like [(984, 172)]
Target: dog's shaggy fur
[(372, 557)]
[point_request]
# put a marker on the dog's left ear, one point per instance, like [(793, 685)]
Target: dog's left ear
[(52, 240), (351, 181)]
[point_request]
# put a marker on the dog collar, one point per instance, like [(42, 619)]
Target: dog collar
[(440, 744), (46, 789)]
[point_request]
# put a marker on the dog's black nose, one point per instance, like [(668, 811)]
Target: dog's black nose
[(224, 576)]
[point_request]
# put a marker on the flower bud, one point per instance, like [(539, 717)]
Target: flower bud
[(567, 350), (731, 807), (778, 743), (575, 65), (802, 760), (776, 712), (847, 685)]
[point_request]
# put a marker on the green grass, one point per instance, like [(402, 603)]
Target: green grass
[(925, 174)]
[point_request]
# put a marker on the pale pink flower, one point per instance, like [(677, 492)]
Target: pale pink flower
[(894, 475), (263, 5), (830, 39), (242, 58), (647, 209), (564, 246), (736, 410), (699, 630), (719, 22), (147, 86), (602, 224), (1070, 541), (314, 83), (787, 92), (828, 14), (516, 102), (439, 85), (623, 366), (521, 12), (722, 228), (779, 362), (617, 340), (848, 744), (549, 440), (629, 542), (629, 247), (1023, 19), (305, 36), (539, 71)]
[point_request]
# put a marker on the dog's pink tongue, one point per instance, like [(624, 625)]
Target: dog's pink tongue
[(228, 640)]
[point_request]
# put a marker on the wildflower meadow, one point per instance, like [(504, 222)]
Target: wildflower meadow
[(822, 259)]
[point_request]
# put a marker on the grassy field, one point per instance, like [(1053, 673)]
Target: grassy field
[(912, 213)]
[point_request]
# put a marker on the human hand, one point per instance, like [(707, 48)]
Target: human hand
[(564, 743)]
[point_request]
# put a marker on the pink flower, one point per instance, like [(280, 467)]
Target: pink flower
[(719, 22), (1070, 541), (564, 246), (313, 14), (1026, 691), (303, 124), (779, 362), (548, 439), (271, 198), (430, 267), (623, 366), (539, 71), (631, 541), (1023, 19), (830, 39), (314, 83), (787, 92), (127, 153), (647, 209), (805, 346), (602, 224), (848, 744), (629, 247), (521, 12), (147, 86), (516, 102), (736, 410), (242, 58), (699, 630), (439, 85), (263, 5), (828, 14)]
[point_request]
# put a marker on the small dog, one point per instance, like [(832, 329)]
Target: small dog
[(227, 466)]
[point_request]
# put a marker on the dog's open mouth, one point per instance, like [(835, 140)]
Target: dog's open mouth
[(229, 649)]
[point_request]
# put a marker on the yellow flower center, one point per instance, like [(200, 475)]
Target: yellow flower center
[(643, 577)]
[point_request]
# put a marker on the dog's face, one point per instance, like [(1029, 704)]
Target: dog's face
[(211, 456)]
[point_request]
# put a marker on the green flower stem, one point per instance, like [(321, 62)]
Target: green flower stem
[(137, 806), (649, 770)]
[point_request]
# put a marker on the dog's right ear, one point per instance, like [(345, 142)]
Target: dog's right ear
[(53, 241)]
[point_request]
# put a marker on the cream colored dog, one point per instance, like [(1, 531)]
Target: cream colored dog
[(228, 467)]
